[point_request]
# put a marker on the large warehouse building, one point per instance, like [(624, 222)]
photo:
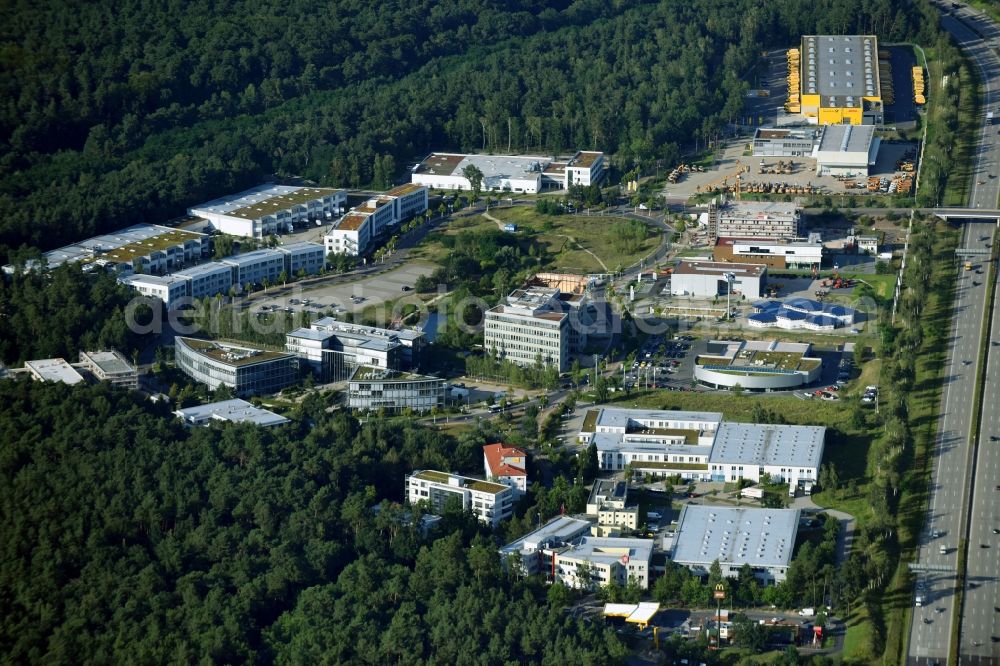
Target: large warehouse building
[(145, 248), (707, 279), (846, 150), (761, 538), (522, 173), (270, 209), (838, 79)]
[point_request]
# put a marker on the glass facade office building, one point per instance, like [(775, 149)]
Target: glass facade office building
[(245, 370)]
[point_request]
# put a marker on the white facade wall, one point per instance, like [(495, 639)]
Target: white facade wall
[(490, 507), (253, 267), (585, 175), (171, 290), (352, 242), (707, 285), (208, 279), (409, 205), (520, 337), (607, 566), (307, 257)]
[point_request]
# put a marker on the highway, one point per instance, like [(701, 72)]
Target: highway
[(980, 619), (931, 629)]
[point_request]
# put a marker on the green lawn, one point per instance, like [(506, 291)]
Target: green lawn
[(566, 238), (589, 232)]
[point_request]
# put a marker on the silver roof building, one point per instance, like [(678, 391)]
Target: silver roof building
[(761, 538)]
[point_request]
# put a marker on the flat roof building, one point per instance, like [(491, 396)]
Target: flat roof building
[(839, 80), (786, 453), (593, 562), (392, 391), (708, 279), (53, 370), (757, 365), (780, 253), (529, 327), (511, 173), (535, 549), (491, 502), (232, 411), (608, 502), (846, 150), (357, 232), (700, 447), (791, 142), (333, 349), (145, 248), (110, 366), (172, 290), (761, 538), (244, 369), (270, 209)]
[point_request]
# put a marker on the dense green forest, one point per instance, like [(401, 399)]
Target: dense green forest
[(129, 539), (116, 112), (63, 312)]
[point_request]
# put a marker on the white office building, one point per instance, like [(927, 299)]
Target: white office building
[(171, 289), (787, 453), (593, 562), (761, 538), (143, 248), (254, 267), (781, 142), (491, 502), (700, 447), (508, 173), (757, 365), (708, 279), (772, 253), (230, 411), (207, 280), (333, 349), (357, 232), (531, 325), (608, 502), (303, 258), (271, 209)]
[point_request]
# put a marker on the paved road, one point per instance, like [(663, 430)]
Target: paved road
[(980, 620), (930, 632), (931, 629)]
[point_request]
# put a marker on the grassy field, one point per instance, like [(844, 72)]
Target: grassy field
[(572, 241)]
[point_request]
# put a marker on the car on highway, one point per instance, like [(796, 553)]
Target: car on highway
[(405, 287)]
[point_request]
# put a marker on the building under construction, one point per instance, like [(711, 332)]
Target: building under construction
[(835, 79)]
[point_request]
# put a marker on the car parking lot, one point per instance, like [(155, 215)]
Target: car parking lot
[(664, 363), (337, 296)]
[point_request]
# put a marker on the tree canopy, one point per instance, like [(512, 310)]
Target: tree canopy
[(130, 539), (118, 112)]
